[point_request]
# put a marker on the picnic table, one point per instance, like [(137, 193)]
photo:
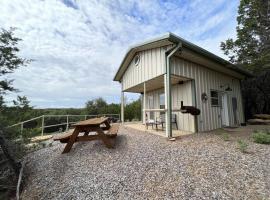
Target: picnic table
[(86, 127)]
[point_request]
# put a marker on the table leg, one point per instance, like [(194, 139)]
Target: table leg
[(72, 140), (104, 138), (107, 124), (86, 133)]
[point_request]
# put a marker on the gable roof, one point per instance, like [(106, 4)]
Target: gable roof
[(170, 38)]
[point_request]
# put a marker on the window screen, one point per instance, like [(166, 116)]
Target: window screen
[(215, 99)]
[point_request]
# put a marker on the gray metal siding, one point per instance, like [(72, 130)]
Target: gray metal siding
[(205, 80), (151, 65)]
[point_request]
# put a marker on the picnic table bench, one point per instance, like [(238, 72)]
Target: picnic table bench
[(86, 127)]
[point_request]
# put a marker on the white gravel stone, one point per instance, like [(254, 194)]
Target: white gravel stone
[(145, 166)]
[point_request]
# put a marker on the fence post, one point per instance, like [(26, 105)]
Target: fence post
[(67, 123), (42, 125), (85, 116), (21, 128)]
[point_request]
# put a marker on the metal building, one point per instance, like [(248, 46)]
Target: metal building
[(168, 70)]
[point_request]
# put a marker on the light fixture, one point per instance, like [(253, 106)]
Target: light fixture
[(228, 88)]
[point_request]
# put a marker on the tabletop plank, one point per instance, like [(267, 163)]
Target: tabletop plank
[(92, 121)]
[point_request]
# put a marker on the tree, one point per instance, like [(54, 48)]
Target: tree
[(251, 48), (96, 106), (9, 60), (133, 110)]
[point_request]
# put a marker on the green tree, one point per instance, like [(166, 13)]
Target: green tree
[(251, 48), (9, 61), (133, 110), (96, 106)]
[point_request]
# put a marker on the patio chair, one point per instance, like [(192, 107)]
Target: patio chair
[(149, 122), (161, 120)]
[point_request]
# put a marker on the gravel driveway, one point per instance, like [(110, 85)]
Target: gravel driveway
[(145, 166)]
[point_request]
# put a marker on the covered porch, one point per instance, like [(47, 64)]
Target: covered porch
[(141, 127), (162, 99)]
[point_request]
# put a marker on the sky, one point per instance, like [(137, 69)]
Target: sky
[(77, 46)]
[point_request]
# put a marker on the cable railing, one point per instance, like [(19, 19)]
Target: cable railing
[(66, 123)]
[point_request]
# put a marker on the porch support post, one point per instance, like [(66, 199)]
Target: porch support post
[(122, 105), (144, 103), (168, 104), (168, 91)]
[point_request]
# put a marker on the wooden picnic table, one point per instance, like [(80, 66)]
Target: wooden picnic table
[(87, 126)]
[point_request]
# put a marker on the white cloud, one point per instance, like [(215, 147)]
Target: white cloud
[(78, 45)]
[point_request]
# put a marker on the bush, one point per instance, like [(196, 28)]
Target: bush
[(242, 146), (27, 134), (261, 137)]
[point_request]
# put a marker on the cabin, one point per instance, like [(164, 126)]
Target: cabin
[(183, 83)]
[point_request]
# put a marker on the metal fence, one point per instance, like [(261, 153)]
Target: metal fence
[(67, 122)]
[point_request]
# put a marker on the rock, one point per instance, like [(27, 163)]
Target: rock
[(146, 166), (262, 116), (41, 138), (259, 122)]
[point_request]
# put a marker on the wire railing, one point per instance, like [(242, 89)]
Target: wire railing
[(66, 123)]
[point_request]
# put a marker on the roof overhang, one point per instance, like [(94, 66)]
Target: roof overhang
[(168, 39)]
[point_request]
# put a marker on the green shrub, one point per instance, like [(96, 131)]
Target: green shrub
[(225, 136), (29, 133), (242, 145), (261, 137)]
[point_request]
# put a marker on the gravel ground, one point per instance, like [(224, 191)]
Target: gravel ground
[(145, 166)]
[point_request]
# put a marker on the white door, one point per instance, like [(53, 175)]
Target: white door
[(224, 110)]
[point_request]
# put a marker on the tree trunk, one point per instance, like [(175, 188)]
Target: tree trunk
[(15, 165)]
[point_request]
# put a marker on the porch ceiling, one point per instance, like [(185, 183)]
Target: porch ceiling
[(155, 83)]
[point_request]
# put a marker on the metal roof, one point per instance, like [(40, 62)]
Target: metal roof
[(171, 38)]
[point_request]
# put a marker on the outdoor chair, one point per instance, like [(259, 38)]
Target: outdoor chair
[(149, 122), (161, 120)]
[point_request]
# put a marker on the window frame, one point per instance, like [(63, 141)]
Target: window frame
[(216, 98), (137, 59)]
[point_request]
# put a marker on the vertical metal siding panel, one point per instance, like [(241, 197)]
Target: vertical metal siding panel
[(150, 63), (145, 66), (140, 79), (181, 67), (162, 60), (230, 95), (177, 91), (190, 117), (198, 95), (217, 113), (200, 92), (217, 109), (181, 99), (209, 110), (158, 61), (241, 112), (185, 102), (178, 65), (154, 61), (204, 105)]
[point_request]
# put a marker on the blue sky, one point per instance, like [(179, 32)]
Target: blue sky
[(77, 46)]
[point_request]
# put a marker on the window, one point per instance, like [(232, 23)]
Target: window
[(215, 99), (137, 60), (162, 102)]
